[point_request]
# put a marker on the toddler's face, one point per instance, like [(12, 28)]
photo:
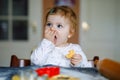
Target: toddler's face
[(59, 26)]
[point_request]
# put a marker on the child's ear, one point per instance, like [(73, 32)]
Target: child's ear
[(69, 36), (71, 33)]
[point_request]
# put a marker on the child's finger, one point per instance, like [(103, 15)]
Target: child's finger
[(77, 57), (73, 61)]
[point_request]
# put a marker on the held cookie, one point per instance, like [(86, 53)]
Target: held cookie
[(70, 54)]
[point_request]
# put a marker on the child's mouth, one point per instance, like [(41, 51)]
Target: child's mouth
[(55, 39)]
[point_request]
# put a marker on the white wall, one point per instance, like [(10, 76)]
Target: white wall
[(102, 38), (117, 42)]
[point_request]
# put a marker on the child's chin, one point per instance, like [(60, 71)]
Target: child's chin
[(56, 44)]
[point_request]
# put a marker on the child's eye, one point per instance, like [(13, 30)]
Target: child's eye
[(59, 26), (49, 24)]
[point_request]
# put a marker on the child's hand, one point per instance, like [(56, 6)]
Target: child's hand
[(50, 34), (76, 59)]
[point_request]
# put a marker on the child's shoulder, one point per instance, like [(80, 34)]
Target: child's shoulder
[(73, 45)]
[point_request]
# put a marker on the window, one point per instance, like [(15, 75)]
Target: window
[(13, 19)]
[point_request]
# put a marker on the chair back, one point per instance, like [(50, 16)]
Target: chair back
[(16, 62)]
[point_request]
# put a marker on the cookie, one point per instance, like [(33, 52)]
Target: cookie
[(70, 54)]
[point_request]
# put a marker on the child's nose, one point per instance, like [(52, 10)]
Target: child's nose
[(53, 28)]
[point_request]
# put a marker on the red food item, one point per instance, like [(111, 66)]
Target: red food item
[(50, 71)]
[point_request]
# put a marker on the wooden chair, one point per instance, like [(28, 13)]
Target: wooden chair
[(94, 61), (16, 62)]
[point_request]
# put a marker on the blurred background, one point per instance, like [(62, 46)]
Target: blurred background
[(21, 27)]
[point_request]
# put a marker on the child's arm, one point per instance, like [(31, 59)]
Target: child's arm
[(41, 53)]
